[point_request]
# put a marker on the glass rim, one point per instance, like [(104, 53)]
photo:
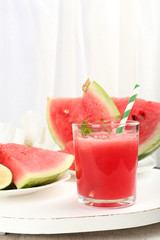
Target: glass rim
[(114, 122)]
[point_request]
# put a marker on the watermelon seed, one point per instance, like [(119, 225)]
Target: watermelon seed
[(134, 117), (141, 113), (66, 111)]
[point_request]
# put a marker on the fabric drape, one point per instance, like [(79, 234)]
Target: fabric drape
[(50, 47)]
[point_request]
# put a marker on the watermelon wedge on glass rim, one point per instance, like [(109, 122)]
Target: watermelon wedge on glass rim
[(61, 112)]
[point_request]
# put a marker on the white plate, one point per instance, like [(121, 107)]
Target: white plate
[(24, 191), (143, 165)]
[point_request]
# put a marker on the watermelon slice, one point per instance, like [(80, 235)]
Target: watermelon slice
[(62, 112), (147, 113), (32, 166)]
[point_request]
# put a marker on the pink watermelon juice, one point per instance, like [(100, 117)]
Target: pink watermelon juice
[(106, 165)]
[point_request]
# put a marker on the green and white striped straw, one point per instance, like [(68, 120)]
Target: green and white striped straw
[(128, 109)]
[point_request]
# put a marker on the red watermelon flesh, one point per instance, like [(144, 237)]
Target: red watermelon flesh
[(147, 113), (60, 111), (32, 166)]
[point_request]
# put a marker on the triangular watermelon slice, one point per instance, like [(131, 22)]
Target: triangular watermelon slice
[(32, 166), (95, 105)]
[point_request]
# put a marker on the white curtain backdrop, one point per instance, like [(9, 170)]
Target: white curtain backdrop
[(50, 47)]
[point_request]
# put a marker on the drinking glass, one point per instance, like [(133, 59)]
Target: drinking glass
[(106, 163)]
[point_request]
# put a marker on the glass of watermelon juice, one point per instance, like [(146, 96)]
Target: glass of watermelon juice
[(106, 163)]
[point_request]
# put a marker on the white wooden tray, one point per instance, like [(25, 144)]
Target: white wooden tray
[(56, 210)]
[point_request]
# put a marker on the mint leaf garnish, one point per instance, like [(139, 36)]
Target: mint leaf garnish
[(85, 129), (104, 125)]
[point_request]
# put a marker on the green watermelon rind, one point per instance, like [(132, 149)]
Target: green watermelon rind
[(45, 177), (105, 98), (150, 145), (50, 127)]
